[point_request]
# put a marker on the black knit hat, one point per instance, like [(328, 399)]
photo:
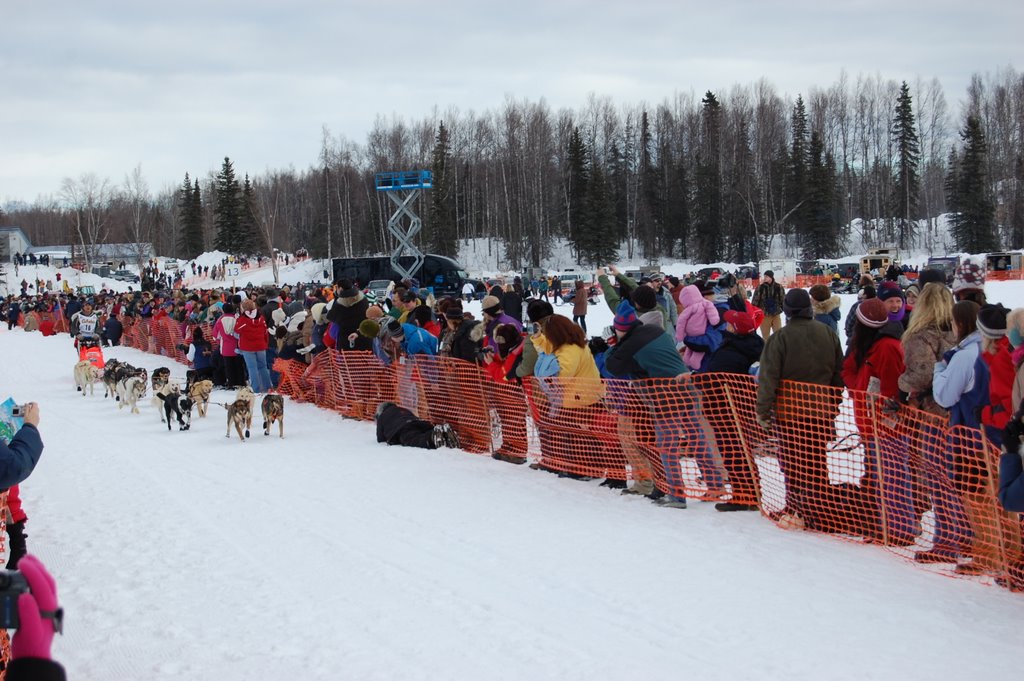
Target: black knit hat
[(931, 276), (538, 310), (395, 330), (992, 321), (797, 303)]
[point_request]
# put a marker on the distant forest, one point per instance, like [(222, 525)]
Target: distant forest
[(711, 178)]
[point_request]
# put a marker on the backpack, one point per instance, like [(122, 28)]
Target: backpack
[(546, 366)]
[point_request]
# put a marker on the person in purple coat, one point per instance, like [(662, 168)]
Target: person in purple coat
[(494, 316)]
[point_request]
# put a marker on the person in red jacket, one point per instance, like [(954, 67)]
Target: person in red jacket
[(251, 330), (995, 353), (510, 440), (16, 518), (871, 371)]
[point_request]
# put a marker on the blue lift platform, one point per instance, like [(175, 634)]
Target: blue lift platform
[(403, 188)]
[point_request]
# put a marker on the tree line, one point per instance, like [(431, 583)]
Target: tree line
[(722, 177)]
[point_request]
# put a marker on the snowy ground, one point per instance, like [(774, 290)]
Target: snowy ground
[(328, 556)]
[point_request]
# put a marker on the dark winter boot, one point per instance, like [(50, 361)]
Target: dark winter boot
[(16, 548)]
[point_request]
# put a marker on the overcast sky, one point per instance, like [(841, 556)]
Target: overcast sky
[(102, 86)]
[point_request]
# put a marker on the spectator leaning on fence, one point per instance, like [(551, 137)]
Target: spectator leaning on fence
[(803, 351)]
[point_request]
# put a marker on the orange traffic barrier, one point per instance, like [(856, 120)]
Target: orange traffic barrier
[(844, 463)]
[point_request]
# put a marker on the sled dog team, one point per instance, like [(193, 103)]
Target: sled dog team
[(128, 384)]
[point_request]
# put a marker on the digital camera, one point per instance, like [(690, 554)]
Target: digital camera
[(18, 411), (12, 585)]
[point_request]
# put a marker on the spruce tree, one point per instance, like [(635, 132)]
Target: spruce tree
[(190, 242), (600, 245), (675, 226), (248, 238), (907, 185), (707, 205), (648, 204), (821, 236), (1016, 226), (227, 210), (442, 233), (576, 190), (796, 170), (974, 217), (742, 189)]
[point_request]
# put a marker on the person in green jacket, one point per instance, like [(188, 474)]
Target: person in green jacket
[(629, 286), (803, 351)]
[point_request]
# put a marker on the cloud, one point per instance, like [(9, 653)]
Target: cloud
[(103, 86)]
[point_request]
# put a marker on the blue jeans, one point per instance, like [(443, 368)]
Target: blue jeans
[(256, 364), (675, 413), (889, 473)]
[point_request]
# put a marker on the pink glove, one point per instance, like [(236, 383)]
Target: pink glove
[(40, 617)]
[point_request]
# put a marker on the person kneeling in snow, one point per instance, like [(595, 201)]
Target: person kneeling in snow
[(398, 426)]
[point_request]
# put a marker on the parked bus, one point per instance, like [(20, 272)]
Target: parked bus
[(441, 274)]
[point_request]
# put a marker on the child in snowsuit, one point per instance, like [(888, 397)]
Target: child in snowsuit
[(697, 315)]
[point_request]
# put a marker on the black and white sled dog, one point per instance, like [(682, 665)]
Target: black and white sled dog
[(170, 400)]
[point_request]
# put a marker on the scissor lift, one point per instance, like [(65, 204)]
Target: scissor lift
[(403, 188)]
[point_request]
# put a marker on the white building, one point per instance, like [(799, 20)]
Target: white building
[(12, 240)]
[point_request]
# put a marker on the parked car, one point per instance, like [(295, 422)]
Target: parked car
[(378, 287), (125, 275)]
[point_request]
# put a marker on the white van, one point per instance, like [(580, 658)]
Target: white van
[(785, 270)]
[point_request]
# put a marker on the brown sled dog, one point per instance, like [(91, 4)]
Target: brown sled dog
[(273, 410)]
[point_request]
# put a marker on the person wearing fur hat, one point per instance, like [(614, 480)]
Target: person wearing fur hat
[(494, 316), (969, 282), (465, 334), (873, 365), (802, 351), (826, 306), (769, 297), (348, 311)]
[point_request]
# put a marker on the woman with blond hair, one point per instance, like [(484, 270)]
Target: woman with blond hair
[(928, 337)]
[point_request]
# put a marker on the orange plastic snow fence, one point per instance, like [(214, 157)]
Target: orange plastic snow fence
[(838, 462)]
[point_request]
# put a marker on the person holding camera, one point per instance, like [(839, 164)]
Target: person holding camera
[(19, 457), (39, 617)]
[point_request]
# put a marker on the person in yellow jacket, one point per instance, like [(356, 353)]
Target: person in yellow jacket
[(569, 346)]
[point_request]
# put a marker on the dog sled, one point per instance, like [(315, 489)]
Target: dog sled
[(89, 350)]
